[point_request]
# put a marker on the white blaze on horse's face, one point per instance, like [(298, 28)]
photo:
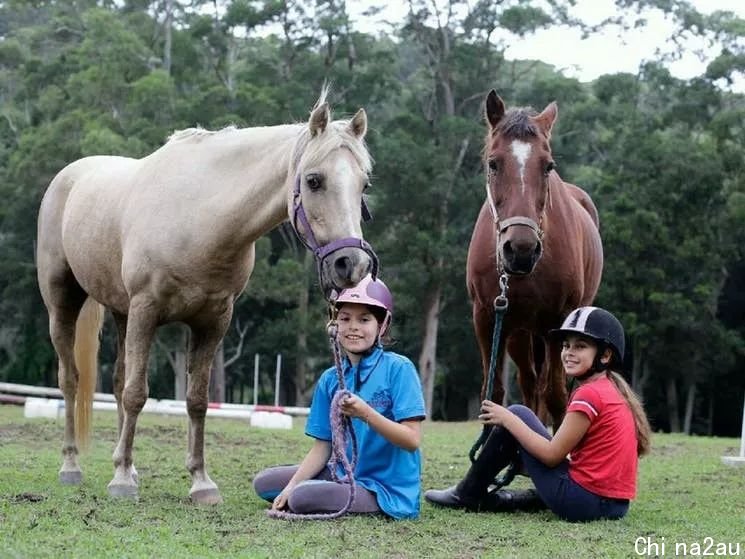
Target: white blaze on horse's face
[(521, 151)]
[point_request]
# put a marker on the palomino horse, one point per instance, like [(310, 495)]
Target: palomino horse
[(543, 233), (170, 237)]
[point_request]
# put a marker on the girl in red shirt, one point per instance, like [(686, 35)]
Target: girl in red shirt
[(587, 470)]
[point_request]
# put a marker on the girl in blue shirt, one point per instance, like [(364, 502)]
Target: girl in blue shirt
[(387, 407)]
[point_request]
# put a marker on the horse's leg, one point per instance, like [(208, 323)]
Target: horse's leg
[(118, 376), (483, 324), (140, 329), (204, 341), (64, 309), (119, 373), (553, 386), (520, 348)]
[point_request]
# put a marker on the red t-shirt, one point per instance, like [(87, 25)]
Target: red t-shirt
[(605, 460)]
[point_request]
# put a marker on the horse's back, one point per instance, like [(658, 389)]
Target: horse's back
[(589, 243), (72, 214), (74, 175), (584, 200)]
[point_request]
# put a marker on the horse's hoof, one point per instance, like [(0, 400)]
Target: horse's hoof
[(206, 497), (123, 491), (71, 477)]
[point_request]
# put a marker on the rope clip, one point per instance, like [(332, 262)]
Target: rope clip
[(500, 301)]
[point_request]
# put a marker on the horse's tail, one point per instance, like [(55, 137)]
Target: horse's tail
[(87, 328)]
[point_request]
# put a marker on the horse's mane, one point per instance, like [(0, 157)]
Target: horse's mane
[(197, 134), (517, 123), (307, 149)]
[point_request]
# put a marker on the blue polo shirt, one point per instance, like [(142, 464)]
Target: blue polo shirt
[(389, 383)]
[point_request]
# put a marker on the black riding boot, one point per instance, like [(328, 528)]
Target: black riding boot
[(511, 500), (499, 450)]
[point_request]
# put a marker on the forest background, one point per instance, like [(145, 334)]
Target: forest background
[(662, 157)]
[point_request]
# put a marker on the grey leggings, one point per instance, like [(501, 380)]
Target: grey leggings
[(318, 495)]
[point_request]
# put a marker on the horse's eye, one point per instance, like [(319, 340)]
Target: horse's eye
[(550, 166), (493, 166), (314, 182), (368, 185)]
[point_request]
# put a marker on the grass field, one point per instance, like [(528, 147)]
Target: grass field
[(686, 498)]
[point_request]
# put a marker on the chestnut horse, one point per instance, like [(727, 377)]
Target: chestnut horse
[(170, 237), (543, 233)]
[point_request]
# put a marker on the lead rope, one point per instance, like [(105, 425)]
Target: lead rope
[(341, 430), (500, 307)]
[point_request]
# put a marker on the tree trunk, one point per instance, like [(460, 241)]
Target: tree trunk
[(428, 355), (673, 411), (168, 24), (640, 374), (690, 401), (217, 375)]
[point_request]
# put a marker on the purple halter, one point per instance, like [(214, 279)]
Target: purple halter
[(309, 239)]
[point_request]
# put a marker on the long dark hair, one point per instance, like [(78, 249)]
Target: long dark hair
[(643, 429)]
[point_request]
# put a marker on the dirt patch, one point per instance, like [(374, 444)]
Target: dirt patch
[(27, 498)]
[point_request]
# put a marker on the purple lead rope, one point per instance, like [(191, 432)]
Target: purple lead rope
[(341, 427)]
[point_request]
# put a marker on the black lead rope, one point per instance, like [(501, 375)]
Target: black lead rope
[(500, 307)]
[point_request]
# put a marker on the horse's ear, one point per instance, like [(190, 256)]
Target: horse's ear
[(358, 124), (494, 108), (546, 119), (319, 119)]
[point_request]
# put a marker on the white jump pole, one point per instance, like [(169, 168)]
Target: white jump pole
[(738, 460), (276, 379), (256, 379)]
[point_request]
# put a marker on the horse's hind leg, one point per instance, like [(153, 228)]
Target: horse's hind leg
[(64, 302), (118, 377), (204, 341), (141, 324)]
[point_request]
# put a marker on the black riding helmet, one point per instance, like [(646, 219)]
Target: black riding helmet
[(599, 325)]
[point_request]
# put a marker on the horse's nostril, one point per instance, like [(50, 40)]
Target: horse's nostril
[(343, 267), (507, 249)]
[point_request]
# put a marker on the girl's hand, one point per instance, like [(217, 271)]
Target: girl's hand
[(280, 501), (354, 406), (492, 414)]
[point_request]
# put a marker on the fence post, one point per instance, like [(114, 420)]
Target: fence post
[(256, 378), (276, 379)]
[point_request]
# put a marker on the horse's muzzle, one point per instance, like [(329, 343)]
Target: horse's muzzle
[(521, 258), (345, 267)]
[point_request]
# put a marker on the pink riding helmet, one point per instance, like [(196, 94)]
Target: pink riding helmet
[(373, 293)]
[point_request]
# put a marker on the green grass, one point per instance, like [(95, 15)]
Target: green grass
[(685, 496)]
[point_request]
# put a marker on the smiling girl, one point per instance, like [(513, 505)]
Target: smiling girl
[(387, 407), (587, 470)]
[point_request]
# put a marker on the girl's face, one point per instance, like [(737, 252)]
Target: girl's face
[(577, 355), (358, 327)]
